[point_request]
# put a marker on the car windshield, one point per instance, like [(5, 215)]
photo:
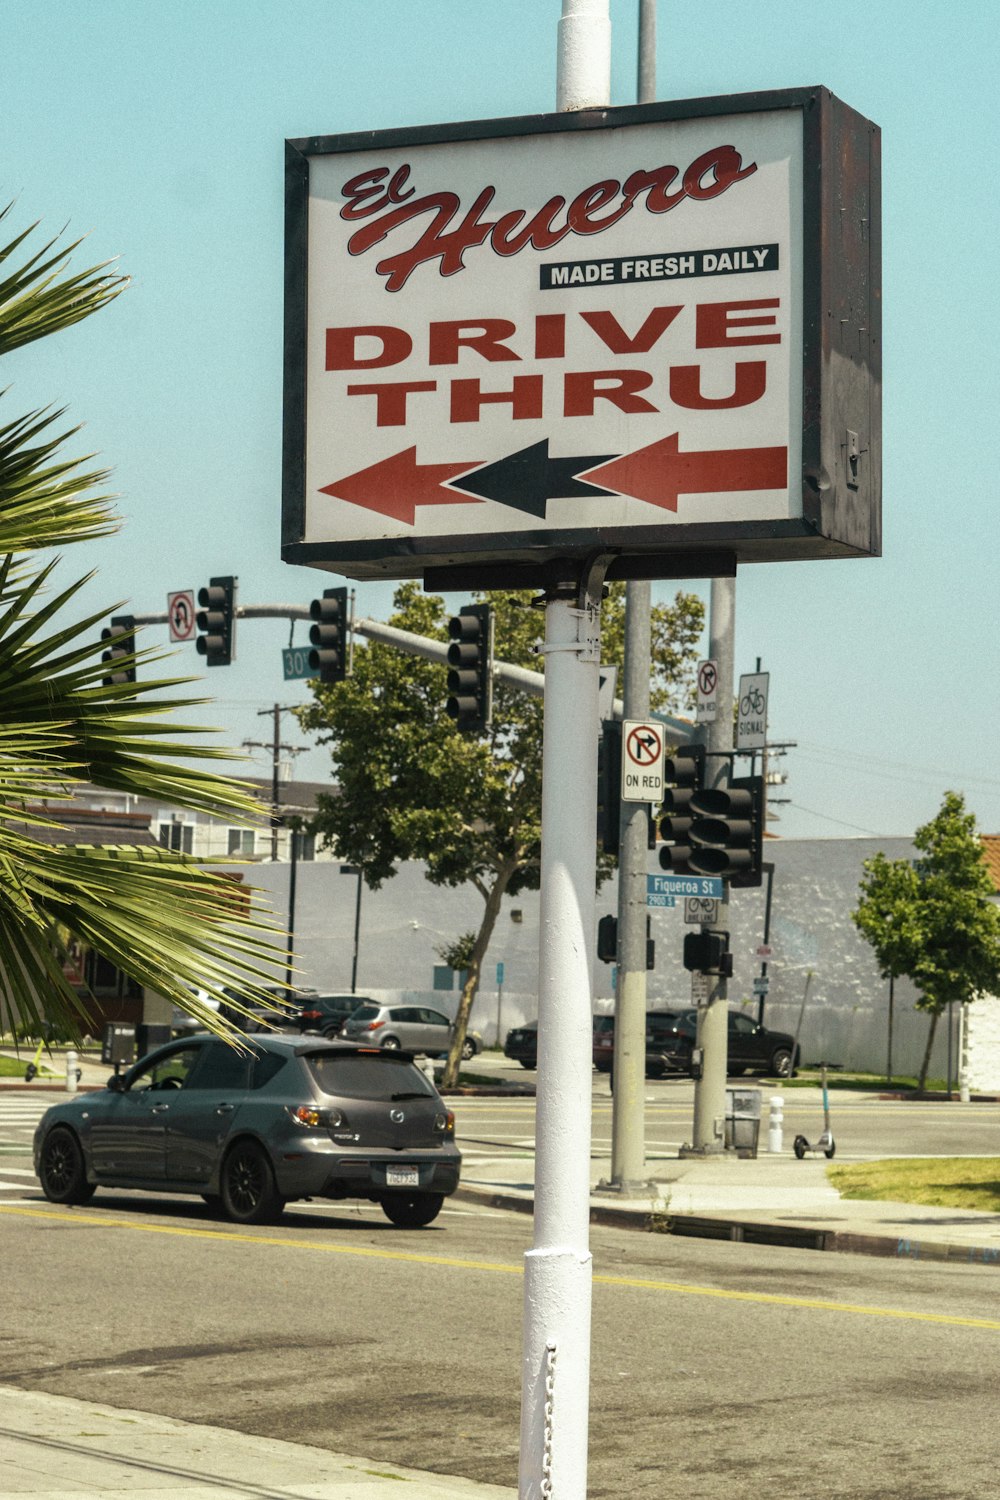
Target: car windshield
[(370, 1075)]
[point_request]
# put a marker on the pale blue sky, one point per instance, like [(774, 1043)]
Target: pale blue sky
[(157, 127)]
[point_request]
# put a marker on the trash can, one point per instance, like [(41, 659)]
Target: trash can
[(743, 1120), (118, 1044)]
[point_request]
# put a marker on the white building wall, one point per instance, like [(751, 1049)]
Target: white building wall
[(982, 1072)]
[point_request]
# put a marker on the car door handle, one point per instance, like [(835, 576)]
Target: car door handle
[(159, 1109), (224, 1109)]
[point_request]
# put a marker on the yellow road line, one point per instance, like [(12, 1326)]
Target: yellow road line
[(635, 1283)]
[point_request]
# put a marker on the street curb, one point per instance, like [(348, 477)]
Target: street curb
[(752, 1231)]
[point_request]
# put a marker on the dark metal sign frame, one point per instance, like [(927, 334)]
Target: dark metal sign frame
[(841, 370)]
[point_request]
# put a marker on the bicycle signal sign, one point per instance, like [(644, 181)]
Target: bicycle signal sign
[(751, 720)]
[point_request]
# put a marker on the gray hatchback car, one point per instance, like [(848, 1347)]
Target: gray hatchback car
[(289, 1117)]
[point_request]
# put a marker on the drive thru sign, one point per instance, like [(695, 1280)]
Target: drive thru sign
[(650, 329)]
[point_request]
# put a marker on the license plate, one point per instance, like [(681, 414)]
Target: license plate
[(402, 1177)]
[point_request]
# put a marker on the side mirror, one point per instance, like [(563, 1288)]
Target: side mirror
[(116, 1083)]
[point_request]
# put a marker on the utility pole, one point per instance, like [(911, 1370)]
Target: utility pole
[(275, 746), (713, 1017), (628, 1114)]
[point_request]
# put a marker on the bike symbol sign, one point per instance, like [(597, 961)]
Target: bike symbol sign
[(180, 615), (642, 761), (708, 691), (751, 720)]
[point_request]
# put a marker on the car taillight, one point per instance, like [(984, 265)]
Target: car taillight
[(310, 1117), (445, 1121), (311, 1015), (374, 1025)]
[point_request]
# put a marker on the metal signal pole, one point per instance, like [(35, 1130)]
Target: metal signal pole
[(628, 1114), (713, 1017)]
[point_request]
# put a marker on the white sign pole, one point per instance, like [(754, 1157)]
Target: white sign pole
[(555, 1385)]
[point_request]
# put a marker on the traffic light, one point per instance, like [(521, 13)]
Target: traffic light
[(684, 771), (727, 834), (470, 668), (217, 621), (607, 939), (708, 953), (609, 785), (329, 635), (120, 636)]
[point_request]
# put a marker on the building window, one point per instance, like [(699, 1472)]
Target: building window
[(241, 841), (307, 846), (177, 836)]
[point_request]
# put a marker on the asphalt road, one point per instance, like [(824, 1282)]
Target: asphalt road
[(718, 1370)]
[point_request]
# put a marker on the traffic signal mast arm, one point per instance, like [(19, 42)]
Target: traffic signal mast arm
[(532, 683)]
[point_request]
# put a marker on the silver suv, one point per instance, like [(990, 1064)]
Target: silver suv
[(414, 1028)]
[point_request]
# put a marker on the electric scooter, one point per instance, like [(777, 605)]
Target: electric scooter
[(826, 1143)]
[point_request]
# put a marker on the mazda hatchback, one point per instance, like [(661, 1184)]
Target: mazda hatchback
[(288, 1117)]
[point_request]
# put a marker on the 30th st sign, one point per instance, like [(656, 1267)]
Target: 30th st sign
[(509, 340)]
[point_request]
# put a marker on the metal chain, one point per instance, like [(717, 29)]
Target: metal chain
[(550, 1382)]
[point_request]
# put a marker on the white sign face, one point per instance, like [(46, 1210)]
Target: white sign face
[(751, 718), (642, 761), (551, 332), (701, 988), (698, 909), (708, 692), (180, 615)]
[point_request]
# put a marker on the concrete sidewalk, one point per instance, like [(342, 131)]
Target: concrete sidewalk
[(768, 1199), (62, 1449)]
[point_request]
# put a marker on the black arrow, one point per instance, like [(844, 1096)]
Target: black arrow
[(529, 479)]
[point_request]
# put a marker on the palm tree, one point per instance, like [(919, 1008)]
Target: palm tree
[(157, 914)]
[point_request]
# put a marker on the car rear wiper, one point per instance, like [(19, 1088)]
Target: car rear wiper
[(417, 1094)]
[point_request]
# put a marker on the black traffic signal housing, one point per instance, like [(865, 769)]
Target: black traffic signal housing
[(609, 786), (607, 942), (217, 622), (470, 668), (708, 953), (727, 833), (684, 772), (607, 939), (328, 636), (119, 657)]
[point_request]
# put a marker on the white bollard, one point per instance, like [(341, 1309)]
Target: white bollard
[(775, 1122), (72, 1072)]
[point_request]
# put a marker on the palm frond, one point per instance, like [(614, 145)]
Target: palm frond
[(45, 503), (37, 299)]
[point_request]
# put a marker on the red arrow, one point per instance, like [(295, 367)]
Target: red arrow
[(396, 486), (661, 472)]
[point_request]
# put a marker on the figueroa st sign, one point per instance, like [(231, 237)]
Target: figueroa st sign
[(650, 332)]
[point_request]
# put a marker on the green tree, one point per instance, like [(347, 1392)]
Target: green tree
[(411, 787), (159, 916), (935, 921)]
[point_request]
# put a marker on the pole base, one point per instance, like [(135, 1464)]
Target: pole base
[(717, 1149), (643, 1189)]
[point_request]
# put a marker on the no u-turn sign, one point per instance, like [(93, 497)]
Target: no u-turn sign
[(642, 761)]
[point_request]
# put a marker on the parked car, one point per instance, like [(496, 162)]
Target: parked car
[(521, 1044), (668, 1045), (752, 1048), (418, 1028), (249, 1131), (261, 1017), (326, 1013)]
